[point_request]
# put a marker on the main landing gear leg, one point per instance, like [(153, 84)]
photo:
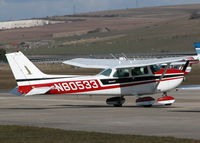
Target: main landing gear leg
[(166, 100), (116, 101), (164, 94)]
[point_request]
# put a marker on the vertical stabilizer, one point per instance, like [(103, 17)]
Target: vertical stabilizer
[(22, 68)]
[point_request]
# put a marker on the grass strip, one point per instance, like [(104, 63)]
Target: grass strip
[(27, 134)]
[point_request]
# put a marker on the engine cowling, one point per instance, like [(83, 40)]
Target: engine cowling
[(115, 101), (145, 101), (166, 100)]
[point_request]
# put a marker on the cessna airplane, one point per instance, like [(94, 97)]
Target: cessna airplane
[(120, 77)]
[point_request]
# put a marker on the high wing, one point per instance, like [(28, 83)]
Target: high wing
[(115, 63)]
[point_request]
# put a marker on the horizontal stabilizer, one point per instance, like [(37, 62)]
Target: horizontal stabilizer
[(38, 90), (15, 91), (189, 87)]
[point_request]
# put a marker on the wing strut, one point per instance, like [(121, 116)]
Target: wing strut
[(163, 74), (185, 66)]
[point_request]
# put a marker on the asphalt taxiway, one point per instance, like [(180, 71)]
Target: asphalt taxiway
[(91, 113)]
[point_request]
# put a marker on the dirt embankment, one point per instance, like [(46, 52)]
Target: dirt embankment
[(91, 40)]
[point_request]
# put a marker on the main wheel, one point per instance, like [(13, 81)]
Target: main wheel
[(145, 101), (168, 104), (116, 101), (117, 105)]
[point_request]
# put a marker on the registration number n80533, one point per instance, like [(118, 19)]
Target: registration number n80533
[(76, 85)]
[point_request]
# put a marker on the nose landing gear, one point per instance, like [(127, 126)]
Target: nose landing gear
[(166, 100)]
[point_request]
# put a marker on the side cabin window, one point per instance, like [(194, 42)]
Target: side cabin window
[(179, 67), (139, 71), (121, 73), (106, 72), (155, 68)]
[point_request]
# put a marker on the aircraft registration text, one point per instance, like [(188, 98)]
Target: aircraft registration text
[(76, 85)]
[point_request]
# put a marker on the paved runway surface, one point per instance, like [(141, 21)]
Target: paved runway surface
[(91, 113)]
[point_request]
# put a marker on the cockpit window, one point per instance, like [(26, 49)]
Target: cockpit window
[(106, 72), (121, 73), (154, 68), (139, 71)]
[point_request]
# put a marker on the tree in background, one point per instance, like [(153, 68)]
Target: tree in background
[(2, 55)]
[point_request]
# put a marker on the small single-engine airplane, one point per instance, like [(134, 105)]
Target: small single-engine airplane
[(120, 77)]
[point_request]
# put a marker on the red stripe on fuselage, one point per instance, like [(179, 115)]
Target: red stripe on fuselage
[(170, 71), (84, 86)]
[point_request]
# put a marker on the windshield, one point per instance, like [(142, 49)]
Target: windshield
[(106, 72)]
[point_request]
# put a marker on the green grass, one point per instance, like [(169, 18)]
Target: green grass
[(25, 134)]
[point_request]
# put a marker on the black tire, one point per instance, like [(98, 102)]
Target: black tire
[(147, 106), (117, 105)]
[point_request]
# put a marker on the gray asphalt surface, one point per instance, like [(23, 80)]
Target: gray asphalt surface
[(91, 113)]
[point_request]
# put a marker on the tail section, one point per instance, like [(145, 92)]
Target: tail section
[(23, 69), (197, 48), (30, 80)]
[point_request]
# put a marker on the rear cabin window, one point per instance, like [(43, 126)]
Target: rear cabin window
[(106, 72), (139, 71), (121, 73)]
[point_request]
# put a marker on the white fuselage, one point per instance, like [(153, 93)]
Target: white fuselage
[(99, 84)]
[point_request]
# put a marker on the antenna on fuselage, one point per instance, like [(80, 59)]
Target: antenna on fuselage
[(127, 58), (115, 58)]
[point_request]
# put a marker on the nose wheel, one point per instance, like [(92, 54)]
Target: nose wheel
[(166, 100)]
